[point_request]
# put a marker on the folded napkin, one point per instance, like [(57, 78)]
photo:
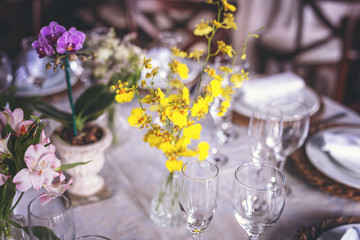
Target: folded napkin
[(271, 87), (350, 234), (344, 148)]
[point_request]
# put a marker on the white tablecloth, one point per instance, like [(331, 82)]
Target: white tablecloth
[(132, 173)]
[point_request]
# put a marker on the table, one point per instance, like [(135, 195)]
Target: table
[(132, 173)]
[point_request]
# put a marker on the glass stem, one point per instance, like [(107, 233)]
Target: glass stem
[(196, 236), (256, 237), (281, 162)]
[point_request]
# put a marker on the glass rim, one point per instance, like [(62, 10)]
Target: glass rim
[(90, 235), (261, 189), (201, 180), (55, 195)]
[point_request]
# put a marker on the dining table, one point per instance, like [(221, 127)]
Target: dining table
[(132, 174)]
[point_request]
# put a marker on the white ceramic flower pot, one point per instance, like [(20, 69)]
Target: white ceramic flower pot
[(87, 181)]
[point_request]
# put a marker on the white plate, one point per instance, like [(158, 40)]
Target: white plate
[(337, 232), (308, 95), (160, 57), (327, 164), (55, 81)]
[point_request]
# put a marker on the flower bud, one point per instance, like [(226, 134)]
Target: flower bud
[(73, 57), (62, 66), (48, 66), (83, 58), (57, 60), (54, 68)]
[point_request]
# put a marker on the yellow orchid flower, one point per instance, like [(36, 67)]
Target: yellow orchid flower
[(228, 6), (179, 68), (203, 150), (193, 131), (225, 49), (138, 118), (215, 88), (178, 53), (123, 94), (203, 28), (229, 21), (196, 54), (174, 165)]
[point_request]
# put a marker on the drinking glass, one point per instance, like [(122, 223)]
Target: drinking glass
[(296, 123), (198, 195), (92, 237), (258, 197), (51, 212), (264, 133), (5, 71)]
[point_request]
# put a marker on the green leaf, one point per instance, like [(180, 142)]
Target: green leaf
[(89, 97), (50, 111), (42, 233), (65, 167)]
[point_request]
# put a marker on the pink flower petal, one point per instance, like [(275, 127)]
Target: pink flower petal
[(3, 179), (36, 180), (22, 180)]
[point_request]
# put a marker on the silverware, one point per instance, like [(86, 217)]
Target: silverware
[(326, 122)]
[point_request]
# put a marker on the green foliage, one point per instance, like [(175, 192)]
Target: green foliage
[(90, 105)]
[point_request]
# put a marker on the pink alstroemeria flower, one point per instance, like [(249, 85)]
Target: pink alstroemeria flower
[(58, 186), (16, 120), (3, 179), (40, 162), (4, 145), (45, 141)]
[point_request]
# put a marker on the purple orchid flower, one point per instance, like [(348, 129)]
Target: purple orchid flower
[(70, 41), (42, 47), (52, 32)]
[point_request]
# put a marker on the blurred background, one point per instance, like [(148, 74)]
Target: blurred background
[(317, 39)]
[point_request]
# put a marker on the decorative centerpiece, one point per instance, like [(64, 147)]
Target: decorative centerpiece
[(77, 135), (27, 160), (172, 119), (113, 58)]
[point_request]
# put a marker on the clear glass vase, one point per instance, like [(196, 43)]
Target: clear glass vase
[(165, 210), (9, 232)]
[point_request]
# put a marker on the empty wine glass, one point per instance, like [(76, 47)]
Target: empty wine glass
[(296, 123), (5, 71), (198, 195), (258, 197), (92, 237), (264, 133), (51, 214)]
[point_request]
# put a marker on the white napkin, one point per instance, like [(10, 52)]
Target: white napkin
[(344, 147), (271, 87), (350, 234)]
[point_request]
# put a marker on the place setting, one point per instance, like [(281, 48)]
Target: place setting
[(261, 89)]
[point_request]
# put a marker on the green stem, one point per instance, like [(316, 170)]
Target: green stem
[(68, 83), (17, 202)]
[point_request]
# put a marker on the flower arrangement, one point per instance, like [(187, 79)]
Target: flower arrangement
[(178, 114), (113, 56), (27, 160), (63, 46)]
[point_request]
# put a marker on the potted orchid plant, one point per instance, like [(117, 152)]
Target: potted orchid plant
[(77, 136), (27, 160)]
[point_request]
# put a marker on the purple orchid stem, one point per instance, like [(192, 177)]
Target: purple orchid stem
[(68, 83)]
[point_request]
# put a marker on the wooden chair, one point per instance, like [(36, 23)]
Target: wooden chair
[(307, 47), (151, 17), (348, 87)]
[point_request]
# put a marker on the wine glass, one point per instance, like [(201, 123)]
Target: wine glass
[(198, 195), (92, 237), (296, 123), (264, 133), (5, 71), (258, 197), (50, 214)]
